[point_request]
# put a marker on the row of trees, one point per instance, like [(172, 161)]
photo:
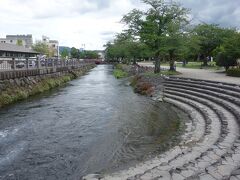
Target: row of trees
[(44, 49), (164, 33), (76, 53)]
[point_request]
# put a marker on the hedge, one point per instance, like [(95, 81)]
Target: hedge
[(234, 72)]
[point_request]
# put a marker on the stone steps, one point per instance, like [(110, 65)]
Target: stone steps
[(229, 86), (220, 149), (210, 147), (230, 103), (220, 89), (206, 91)]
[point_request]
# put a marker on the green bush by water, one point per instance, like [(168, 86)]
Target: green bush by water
[(118, 73), (234, 72)]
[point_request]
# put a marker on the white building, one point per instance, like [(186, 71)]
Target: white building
[(52, 44), (20, 40)]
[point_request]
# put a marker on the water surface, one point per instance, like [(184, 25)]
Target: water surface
[(94, 124)]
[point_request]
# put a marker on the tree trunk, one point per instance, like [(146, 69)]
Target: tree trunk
[(134, 61), (171, 63), (157, 65), (172, 66), (226, 68), (205, 61)]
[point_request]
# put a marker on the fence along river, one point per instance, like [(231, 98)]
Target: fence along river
[(94, 124)]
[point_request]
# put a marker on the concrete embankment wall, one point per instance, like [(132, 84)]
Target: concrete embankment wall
[(15, 86)]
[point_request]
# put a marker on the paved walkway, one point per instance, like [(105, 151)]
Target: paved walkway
[(204, 74)]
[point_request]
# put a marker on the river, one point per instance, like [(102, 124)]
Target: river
[(93, 124)]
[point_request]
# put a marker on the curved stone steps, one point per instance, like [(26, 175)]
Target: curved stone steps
[(234, 93), (206, 91), (228, 104), (219, 109), (196, 131), (227, 139), (210, 154), (229, 86)]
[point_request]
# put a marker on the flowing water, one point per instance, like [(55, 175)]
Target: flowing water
[(94, 124)]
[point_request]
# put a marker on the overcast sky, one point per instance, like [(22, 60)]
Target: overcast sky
[(94, 22)]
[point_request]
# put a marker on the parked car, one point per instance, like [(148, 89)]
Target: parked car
[(20, 65)]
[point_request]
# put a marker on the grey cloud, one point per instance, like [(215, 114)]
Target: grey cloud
[(65, 8), (107, 33), (222, 12)]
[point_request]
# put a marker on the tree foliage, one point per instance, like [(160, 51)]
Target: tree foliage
[(229, 51), (42, 48), (163, 33), (162, 22), (64, 53)]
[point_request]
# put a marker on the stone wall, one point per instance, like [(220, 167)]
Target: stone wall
[(15, 89)]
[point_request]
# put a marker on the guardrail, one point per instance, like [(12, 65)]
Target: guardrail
[(12, 64), (11, 68)]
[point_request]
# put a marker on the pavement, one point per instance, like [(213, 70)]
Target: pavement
[(204, 74)]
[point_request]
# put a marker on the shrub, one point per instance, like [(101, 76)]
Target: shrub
[(225, 61), (144, 88), (234, 72), (119, 73)]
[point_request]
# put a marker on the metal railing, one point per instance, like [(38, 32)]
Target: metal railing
[(14, 64)]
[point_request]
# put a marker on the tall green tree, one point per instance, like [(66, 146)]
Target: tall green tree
[(210, 36), (64, 53), (229, 51), (42, 48), (155, 25), (74, 53)]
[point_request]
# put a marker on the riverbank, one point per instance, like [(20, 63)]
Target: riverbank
[(13, 90), (143, 79)]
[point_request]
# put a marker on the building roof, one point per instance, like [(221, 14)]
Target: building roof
[(14, 48), (53, 41)]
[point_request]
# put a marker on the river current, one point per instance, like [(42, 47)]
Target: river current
[(93, 124)]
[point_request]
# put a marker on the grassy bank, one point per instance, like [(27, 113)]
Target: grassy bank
[(166, 73), (11, 95), (16, 92), (119, 71)]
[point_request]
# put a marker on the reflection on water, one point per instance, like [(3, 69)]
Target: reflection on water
[(94, 124)]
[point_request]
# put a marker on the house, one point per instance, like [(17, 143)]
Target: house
[(15, 51), (20, 40), (19, 54), (52, 44)]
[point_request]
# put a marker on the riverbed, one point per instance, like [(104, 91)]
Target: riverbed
[(93, 124)]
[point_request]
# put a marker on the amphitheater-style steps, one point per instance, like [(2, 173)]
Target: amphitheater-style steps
[(210, 147)]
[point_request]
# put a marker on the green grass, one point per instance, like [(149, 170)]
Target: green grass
[(118, 73), (166, 73), (234, 72), (196, 65)]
